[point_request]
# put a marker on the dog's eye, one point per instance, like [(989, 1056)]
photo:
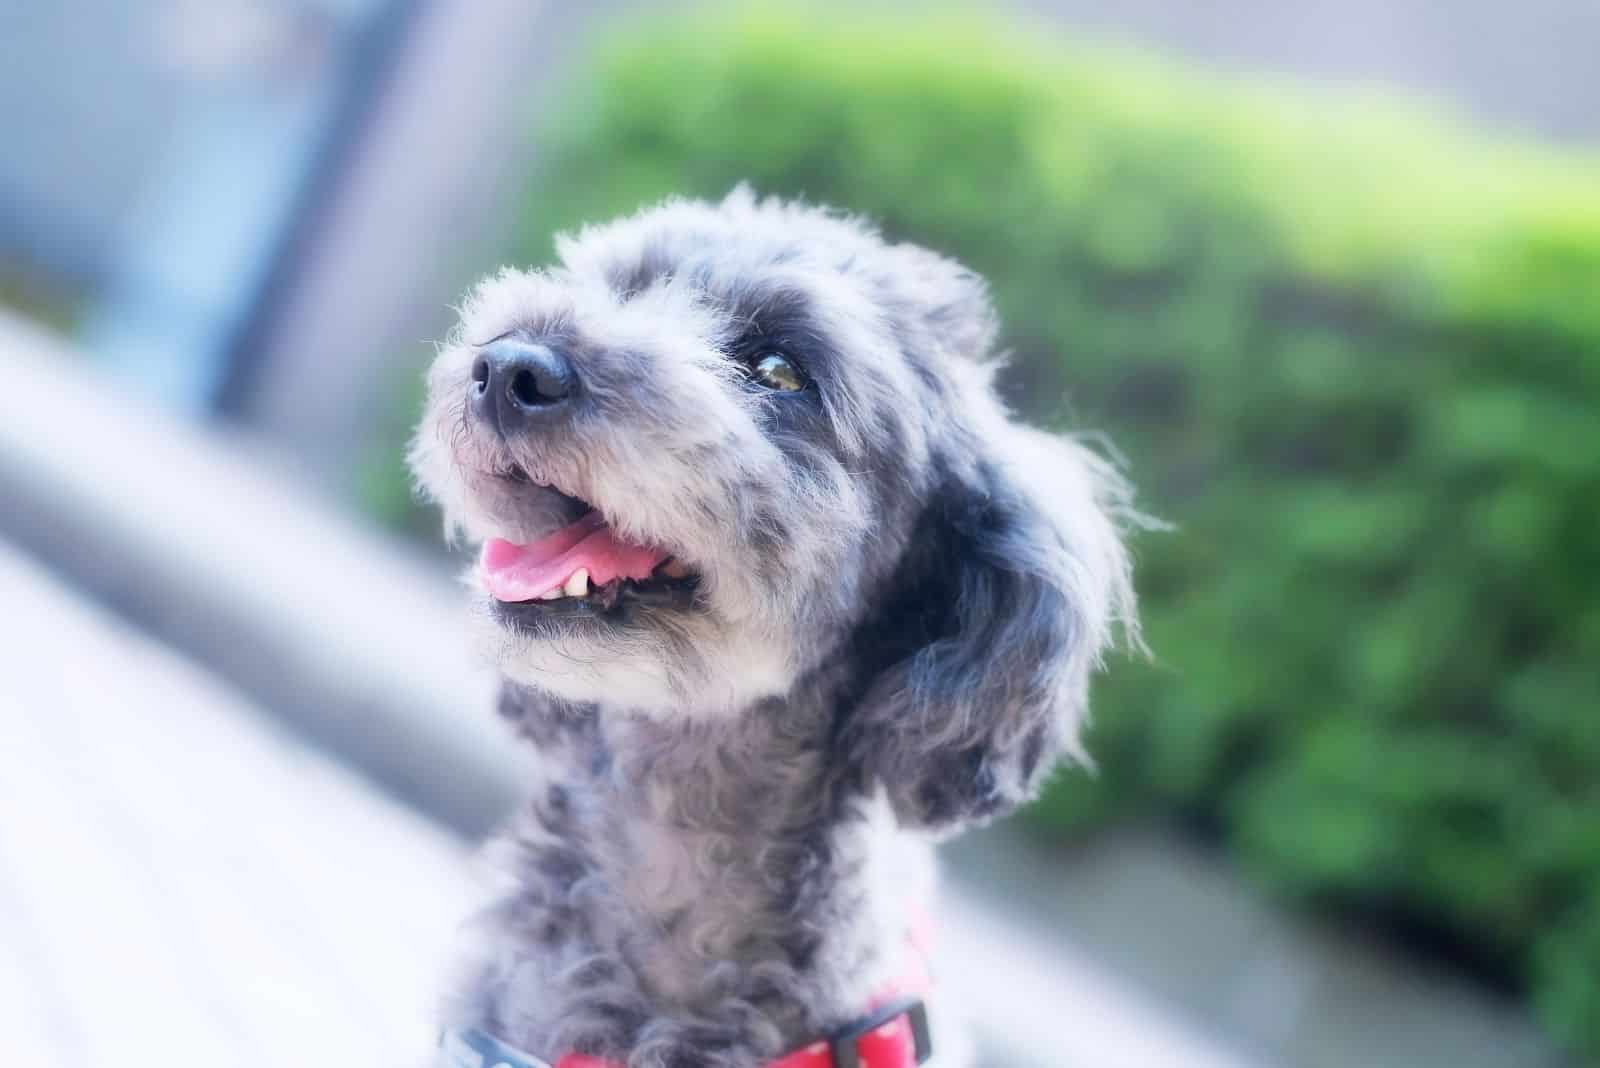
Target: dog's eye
[(775, 371)]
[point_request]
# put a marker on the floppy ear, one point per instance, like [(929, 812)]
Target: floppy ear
[(980, 655)]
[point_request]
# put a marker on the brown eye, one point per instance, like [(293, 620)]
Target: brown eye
[(775, 371)]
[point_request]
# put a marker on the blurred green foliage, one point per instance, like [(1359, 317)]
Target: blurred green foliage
[(24, 289), (1353, 354)]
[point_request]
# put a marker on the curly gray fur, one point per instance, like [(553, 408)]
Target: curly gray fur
[(902, 596)]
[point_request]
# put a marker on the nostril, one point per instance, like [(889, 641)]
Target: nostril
[(536, 387), (480, 373)]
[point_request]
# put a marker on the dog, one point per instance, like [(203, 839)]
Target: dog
[(780, 595)]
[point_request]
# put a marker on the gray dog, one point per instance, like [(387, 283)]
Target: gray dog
[(778, 594)]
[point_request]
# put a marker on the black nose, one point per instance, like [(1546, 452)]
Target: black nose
[(515, 383)]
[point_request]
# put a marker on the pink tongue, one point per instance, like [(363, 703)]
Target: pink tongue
[(524, 572)]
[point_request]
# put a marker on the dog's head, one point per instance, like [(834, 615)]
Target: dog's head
[(719, 448)]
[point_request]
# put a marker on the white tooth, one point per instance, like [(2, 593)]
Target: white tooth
[(552, 595), (578, 584)]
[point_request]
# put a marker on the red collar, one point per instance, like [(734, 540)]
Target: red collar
[(895, 1036)]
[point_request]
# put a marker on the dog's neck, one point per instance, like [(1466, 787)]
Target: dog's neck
[(696, 864)]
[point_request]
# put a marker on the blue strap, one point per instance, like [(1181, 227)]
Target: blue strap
[(474, 1049)]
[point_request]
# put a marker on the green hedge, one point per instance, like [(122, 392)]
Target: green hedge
[(1352, 354)]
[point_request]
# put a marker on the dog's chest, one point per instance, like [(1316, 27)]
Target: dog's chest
[(712, 855)]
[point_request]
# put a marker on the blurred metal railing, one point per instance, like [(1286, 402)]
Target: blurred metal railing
[(196, 539)]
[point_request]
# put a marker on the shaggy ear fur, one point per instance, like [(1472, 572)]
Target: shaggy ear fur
[(1012, 586)]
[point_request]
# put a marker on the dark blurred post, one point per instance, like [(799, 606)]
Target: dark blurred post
[(407, 223)]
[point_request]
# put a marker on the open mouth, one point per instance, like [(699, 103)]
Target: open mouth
[(583, 568)]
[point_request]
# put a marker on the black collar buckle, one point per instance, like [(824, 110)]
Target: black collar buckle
[(842, 1044)]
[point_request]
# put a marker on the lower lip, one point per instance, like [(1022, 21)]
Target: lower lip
[(547, 618), (574, 611)]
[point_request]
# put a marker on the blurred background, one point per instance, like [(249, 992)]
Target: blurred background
[(1326, 277)]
